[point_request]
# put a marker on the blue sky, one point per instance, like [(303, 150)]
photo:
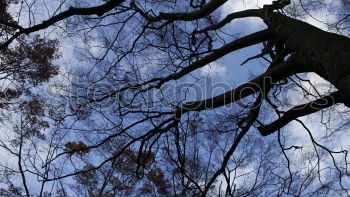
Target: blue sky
[(227, 69)]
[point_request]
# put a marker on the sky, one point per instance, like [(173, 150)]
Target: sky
[(228, 68)]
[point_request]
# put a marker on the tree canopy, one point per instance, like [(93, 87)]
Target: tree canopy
[(121, 98)]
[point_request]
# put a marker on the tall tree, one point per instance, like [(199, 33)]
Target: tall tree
[(131, 117)]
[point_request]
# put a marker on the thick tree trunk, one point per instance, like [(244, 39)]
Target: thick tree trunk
[(328, 54), (311, 49)]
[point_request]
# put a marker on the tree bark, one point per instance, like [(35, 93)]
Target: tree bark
[(328, 54)]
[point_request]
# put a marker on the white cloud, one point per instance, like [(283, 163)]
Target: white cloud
[(320, 18), (319, 86), (213, 68), (235, 6), (94, 48), (242, 177)]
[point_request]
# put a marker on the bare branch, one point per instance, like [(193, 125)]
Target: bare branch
[(291, 66), (201, 13), (98, 10), (300, 110)]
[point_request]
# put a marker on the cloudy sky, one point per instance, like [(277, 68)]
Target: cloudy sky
[(228, 69)]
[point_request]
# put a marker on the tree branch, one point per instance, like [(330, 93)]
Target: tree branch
[(98, 10), (254, 112), (201, 13), (300, 110), (293, 65), (10, 24), (240, 43), (246, 41), (232, 16)]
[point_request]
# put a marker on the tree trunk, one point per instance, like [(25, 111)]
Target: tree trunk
[(327, 54)]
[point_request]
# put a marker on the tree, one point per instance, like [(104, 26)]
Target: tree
[(128, 120)]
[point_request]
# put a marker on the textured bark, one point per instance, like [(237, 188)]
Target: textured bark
[(312, 49), (324, 53), (328, 54)]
